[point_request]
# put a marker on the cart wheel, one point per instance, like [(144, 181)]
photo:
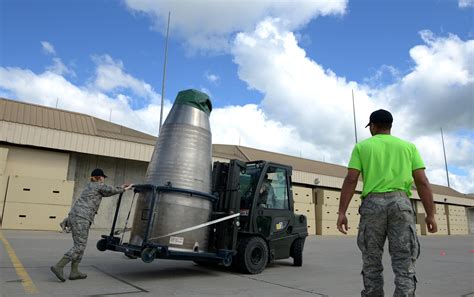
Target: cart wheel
[(227, 261), (297, 252), (102, 245), (252, 255), (148, 255)]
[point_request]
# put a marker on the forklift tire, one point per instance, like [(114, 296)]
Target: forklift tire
[(252, 255), (102, 245), (297, 252), (148, 255)]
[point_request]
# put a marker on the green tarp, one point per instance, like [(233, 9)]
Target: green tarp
[(196, 99)]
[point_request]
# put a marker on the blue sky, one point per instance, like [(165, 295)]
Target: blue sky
[(270, 67)]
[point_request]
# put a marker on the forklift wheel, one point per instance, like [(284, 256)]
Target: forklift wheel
[(297, 252), (252, 255), (102, 245), (148, 255)]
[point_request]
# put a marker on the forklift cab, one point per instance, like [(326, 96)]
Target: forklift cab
[(266, 206)]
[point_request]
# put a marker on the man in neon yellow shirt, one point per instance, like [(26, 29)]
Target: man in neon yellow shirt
[(389, 166)]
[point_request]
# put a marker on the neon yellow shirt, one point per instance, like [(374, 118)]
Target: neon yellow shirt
[(386, 163)]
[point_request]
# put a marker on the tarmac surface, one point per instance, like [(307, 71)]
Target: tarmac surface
[(331, 268)]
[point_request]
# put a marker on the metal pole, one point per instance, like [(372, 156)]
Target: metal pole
[(164, 72), (119, 201), (445, 160), (353, 110)]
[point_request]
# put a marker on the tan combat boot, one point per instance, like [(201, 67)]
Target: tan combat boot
[(58, 269), (75, 273)]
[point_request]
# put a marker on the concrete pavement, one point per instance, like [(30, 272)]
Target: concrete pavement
[(331, 268)]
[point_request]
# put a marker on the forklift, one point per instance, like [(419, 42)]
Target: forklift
[(252, 223)]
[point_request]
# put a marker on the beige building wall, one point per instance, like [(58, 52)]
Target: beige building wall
[(75, 142), (3, 159), (31, 180), (32, 162), (28, 216), (3, 178), (3, 189)]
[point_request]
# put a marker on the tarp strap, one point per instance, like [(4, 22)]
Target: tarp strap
[(198, 226)]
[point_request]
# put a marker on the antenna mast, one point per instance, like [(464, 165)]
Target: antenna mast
[(445, 160), (354, 112), (164, 72)]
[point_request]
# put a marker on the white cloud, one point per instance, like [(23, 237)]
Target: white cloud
[(213, 78), (317, 103), (48, 48), (110, 76), (59, 68), (382, 75), (466, 3), (460, 154), (209, 24), (249, 126), (299, 92), (438, 91), (45, 88)]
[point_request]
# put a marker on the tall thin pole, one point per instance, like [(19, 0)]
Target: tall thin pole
[(110, 115), (445, 160), (354, 111), (164, 72), (57, 101)]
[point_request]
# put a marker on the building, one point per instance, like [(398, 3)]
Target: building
[(47, 154)]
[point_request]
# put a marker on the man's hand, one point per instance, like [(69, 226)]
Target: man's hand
[(431, 224), (342, 223)]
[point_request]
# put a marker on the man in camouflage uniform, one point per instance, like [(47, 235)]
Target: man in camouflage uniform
[(80, 218), (389, 166)]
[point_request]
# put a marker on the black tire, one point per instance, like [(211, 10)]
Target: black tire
[(227, 261), (148, 255), (297, 252), (102, 245), (252, 255)]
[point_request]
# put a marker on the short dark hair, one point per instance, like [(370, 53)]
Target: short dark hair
[(384, 126)]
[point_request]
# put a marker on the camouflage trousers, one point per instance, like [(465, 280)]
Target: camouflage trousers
[(80, 231), (388, 215)]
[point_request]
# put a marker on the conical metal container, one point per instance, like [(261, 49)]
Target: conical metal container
[(182, 158)]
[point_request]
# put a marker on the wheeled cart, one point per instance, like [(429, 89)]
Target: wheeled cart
[(148, 250)]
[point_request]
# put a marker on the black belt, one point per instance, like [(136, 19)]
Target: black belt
[(388, 194)]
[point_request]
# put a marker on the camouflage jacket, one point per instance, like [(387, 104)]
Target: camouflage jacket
[(88, 203)]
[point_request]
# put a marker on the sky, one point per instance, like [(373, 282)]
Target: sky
[(280, 74)]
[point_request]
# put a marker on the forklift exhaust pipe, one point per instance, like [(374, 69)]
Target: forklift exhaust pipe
[(182, 158)]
